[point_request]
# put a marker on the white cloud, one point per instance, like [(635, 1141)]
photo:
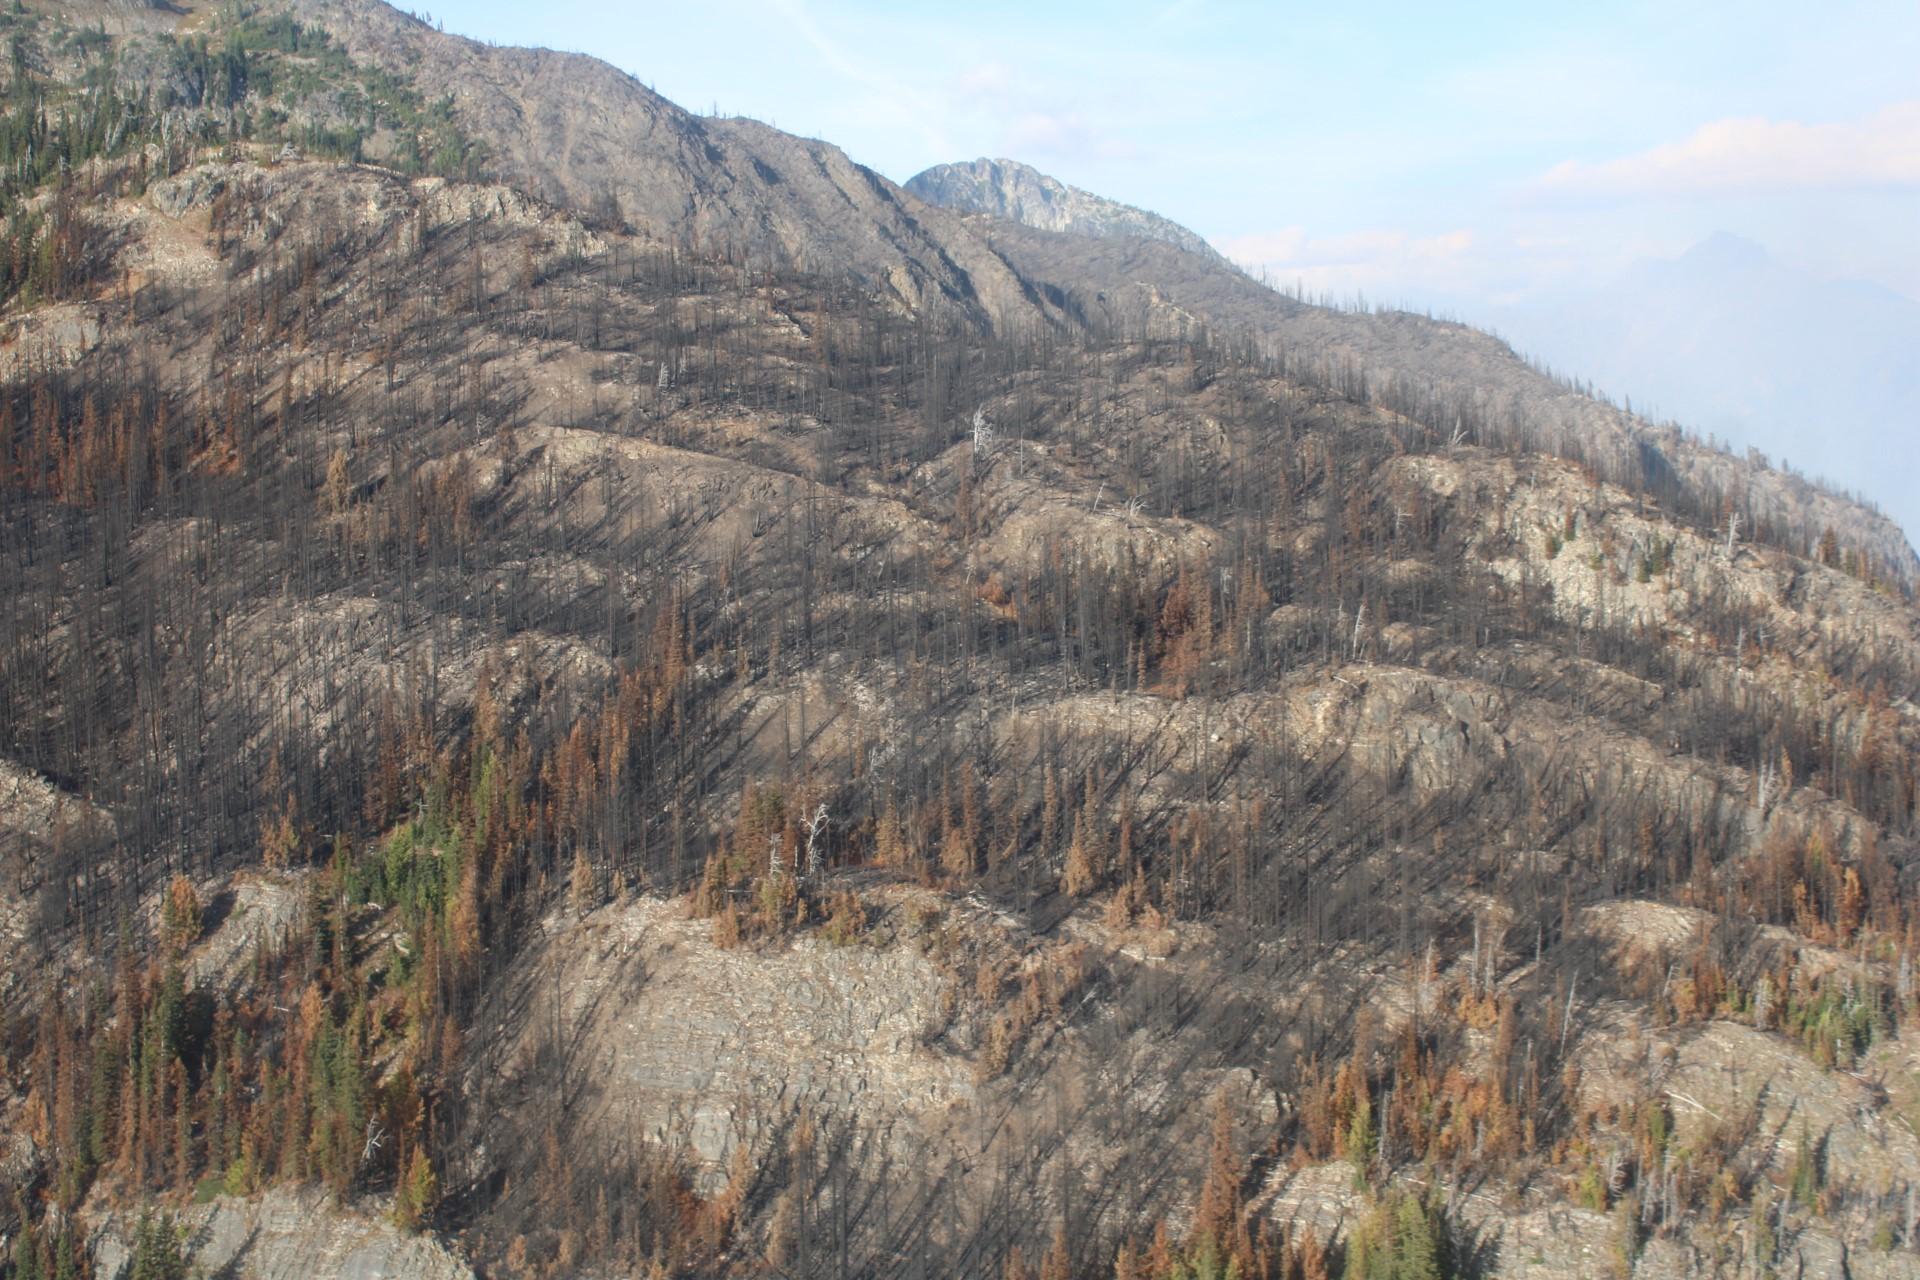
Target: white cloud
[(1752, 153)]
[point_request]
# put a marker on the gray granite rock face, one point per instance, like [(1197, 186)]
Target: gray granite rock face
[(286, 1234), (574, 130), (700, 1048), (1021, 193)]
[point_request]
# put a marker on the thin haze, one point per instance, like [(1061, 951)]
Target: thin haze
[(1511, 167)]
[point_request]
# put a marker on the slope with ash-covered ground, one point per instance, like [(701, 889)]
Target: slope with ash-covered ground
[(624, 754)]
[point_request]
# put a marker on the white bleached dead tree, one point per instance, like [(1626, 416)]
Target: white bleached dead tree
[(982, 432), (816, 847)]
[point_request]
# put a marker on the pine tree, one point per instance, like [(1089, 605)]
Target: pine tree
[(28, 1264), (1080, 876), (417, 1193), (1310, 1258), (582, 889), (1049, 812), (279, 836), (1401, 1239), (157, 1251), (181, 915), (1160, 1259), (1804, 1181), (339, 486), (1416, 1246), (957, 856), (890, 839), (1219, 1208), (1058, 1264), (1361, 1140)]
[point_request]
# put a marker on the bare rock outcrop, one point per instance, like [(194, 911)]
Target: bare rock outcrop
[(285, 1233), (1020, 193)]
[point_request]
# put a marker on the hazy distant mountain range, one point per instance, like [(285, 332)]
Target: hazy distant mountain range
[(1727, 339)]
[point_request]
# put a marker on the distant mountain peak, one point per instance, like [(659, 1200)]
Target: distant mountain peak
[(1725, 249), (1020, 193)]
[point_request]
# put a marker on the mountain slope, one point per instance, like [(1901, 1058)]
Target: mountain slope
[(1442, 373), (572, 129), (640, 760)]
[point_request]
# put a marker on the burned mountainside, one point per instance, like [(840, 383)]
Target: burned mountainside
[(591, 690)]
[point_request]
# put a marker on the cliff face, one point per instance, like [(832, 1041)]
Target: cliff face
[(283, 1233), (572, 129), (708, 733), (1015, 192)]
